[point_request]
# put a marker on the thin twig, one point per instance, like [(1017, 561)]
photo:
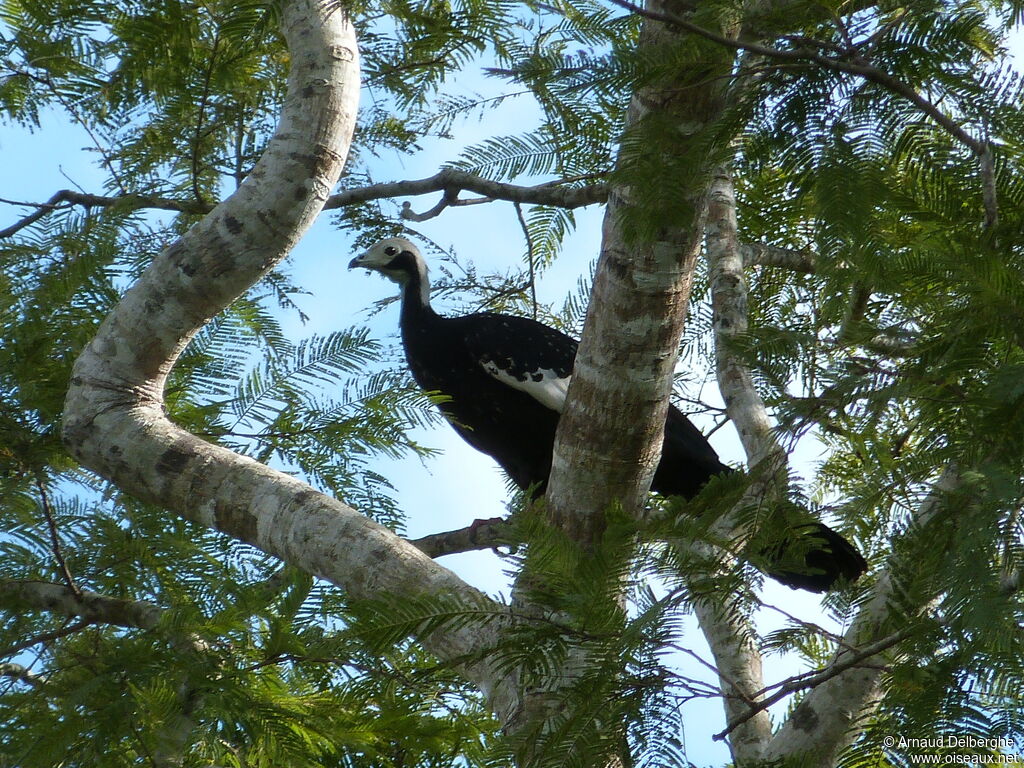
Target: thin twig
[(553, 193), (55, 91), (732, 683), (129, 201), (55, 545), (198, 134), (529, 256), (481, 534), (408, 214), (808, 625), (814, 679), (45, 637), (41, 209)]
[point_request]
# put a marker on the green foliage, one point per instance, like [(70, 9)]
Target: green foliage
[(608, 685), (250, 660), (900, 351), (901, 354)]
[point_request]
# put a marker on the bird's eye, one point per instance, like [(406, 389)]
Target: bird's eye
[(391, 250)]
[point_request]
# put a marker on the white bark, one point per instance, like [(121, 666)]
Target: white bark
[(609, 436), (58, 598), (22, 674), (761, 255), (744, 406), (733, 643), (731, 637), (826, 721), (114, 417)]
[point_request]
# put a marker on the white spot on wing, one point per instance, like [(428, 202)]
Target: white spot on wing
[(543, 385)]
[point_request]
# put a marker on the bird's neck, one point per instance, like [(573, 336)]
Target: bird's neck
[(416, 309)]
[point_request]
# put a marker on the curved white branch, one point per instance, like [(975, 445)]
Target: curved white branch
[(114, 417)]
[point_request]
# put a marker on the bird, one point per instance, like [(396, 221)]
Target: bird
[(503, 381)]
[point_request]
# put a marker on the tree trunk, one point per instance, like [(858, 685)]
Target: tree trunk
[(609, 437)]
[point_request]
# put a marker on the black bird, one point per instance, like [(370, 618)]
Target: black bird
[(505, 379)]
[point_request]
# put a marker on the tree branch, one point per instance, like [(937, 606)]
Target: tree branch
[(66, 198), (550, 193), (728, 631), (743, 404), (45, 637), (452, 181), (821, 725), (51, 524), (90, 606), (22, 674), (761, 255), (447, 180), (609, 436), (854, 658), (482, 534)]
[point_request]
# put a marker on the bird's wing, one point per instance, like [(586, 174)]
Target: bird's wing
[(523, 354)]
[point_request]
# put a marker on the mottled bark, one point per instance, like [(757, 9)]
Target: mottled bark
[(743, 404), (609, 437), (826, 720), (761, 255), (22, 674), (733, 644), (57, 598), (731, 637)]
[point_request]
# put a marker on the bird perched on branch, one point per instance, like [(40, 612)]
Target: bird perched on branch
[(505, 380)]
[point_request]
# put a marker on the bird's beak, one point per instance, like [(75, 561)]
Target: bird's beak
[(355, 262)]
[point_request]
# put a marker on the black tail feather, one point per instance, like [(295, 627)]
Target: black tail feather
[(827, 559)]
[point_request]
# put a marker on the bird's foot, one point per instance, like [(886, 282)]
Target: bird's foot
[(476, 525)]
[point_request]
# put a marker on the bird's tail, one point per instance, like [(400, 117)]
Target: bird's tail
[(813, 557)]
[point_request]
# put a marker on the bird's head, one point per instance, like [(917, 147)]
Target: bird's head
[(394, 257)]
